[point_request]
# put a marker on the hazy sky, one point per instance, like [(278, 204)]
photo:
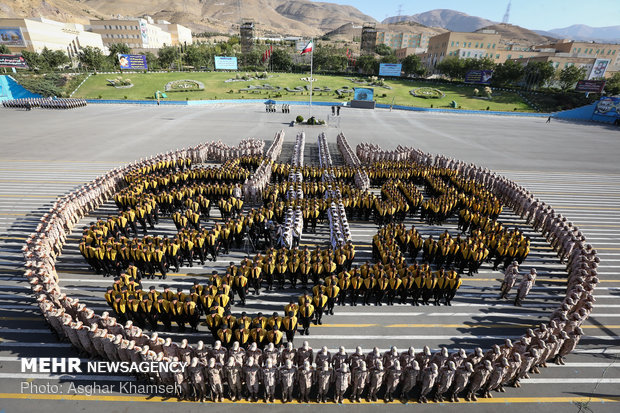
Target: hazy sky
[(532, 14)]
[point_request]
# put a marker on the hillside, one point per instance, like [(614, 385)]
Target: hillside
[(295, 17), (587, 33), (518, 34), (446, 19), (348, 31)]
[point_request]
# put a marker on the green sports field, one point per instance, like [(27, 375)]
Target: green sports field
[(215, 87)]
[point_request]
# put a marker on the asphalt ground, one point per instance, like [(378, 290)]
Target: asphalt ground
[(569, 165)]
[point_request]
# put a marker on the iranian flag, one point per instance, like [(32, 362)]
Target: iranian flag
[(308, 48)]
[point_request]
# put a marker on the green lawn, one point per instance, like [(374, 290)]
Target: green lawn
[(145, 85)]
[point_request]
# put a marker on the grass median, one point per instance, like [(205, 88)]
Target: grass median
[(215, 87)]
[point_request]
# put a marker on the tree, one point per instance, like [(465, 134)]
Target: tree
[(92, 58), (252, 59), (570, 75), (52, 59), (115, 50), (383, 49), (151, 60), (32, 59), (167, 55), (537, 74), (389, 59), (4, 49), (412, 65), (368, 64), (281, 60), (195, 56), (507, 73), (453, 67), (612, 87), (484, 63)]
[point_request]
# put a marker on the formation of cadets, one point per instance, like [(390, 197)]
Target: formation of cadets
[(249, 371), (44, 103)]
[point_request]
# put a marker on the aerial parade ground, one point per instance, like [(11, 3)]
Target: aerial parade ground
[(370, 175)]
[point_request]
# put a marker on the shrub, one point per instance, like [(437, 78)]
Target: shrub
[(488, 108), (299, 119), (125, 97), (99, 97)]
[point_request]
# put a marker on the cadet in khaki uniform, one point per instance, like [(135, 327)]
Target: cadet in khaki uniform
[(305, 378), (251, 374), (287, 376), (214, 374), (323, 379), (269, 375), (233, 374), (361, 377)]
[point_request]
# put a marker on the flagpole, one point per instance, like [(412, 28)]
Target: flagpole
[(311, 89)]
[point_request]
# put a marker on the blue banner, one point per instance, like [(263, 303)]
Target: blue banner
[(225, 63), (364, 94), (390, 69), (608, 106), (132, 61)]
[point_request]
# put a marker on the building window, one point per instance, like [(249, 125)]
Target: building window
[(497, 56), (469, 44), (493, 45)]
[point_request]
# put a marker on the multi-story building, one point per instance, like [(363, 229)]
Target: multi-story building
[(462, 45), (38, 33), (180, 35), (560, 62), (406, 51), (137, 33), (400, 40), (591, 50)]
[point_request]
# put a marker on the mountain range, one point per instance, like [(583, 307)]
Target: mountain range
[(462, 22), (284, 17), (587, 33)]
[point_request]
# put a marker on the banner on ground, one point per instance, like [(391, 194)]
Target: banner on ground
[(390, 69), (608, 107), (12, 36), (132, 61), (482, 77), (365, 94), (225, 63), (599, 68), (592, 86), (14, 61)]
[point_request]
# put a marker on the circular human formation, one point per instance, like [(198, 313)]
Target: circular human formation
[(252, 362), (428, 93)]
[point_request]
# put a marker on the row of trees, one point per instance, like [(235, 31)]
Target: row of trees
[(533, 75), (325, 59)]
